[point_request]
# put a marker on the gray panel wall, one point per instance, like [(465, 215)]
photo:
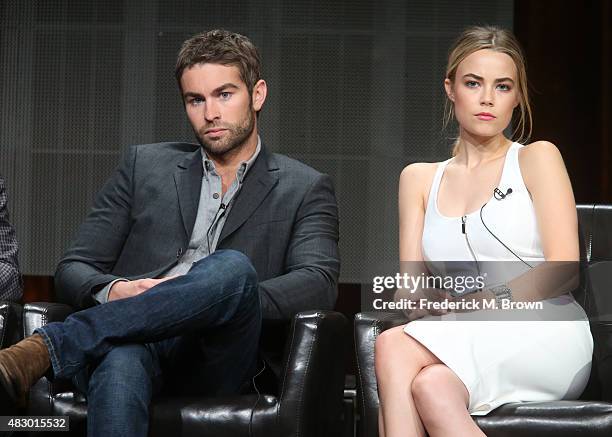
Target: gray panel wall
[(355, 91)]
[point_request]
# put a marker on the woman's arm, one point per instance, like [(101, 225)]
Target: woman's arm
[(548, 183), (415, 183)]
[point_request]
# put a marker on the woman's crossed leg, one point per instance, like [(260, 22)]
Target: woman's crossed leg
[(418, 394)]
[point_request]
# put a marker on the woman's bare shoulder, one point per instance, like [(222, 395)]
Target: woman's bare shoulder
[(539, 149), (416, 179), (540, 158), (419, 171)]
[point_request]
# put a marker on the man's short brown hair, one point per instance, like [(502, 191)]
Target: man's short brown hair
[(221, 47)]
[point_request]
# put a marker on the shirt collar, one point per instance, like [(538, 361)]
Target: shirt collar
[(209, 165)]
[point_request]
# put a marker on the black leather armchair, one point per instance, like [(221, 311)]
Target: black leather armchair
[(10, 323), (301, 395), (10, 333), (591, 415)]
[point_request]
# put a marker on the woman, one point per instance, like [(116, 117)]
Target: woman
[(493, 200)]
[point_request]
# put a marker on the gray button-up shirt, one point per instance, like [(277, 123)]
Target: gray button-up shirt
[(213, 209)]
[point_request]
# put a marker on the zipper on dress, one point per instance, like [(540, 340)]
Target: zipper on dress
[(469, 245)]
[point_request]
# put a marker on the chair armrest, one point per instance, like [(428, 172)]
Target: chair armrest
[(10, 323), (37, 314), (312, 383), (368, 326)]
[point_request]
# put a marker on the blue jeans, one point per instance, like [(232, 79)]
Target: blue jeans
[(199, 331)]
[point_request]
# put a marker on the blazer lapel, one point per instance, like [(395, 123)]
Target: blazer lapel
[(258, 182), (188, 180)]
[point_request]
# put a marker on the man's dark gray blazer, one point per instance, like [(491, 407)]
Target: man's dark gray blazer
[(284, 219)]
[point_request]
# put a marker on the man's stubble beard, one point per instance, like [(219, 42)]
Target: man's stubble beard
[(233, 139)]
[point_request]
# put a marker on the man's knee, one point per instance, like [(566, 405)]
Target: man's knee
[(126, 363), (224, 273), (241, 273), (239, 263), (227, 262)]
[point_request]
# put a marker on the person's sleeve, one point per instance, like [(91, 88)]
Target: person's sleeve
[(10, 279), (102, 295), (312, 261), (84, 270)]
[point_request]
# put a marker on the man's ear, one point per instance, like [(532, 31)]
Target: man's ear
[(448, 86), (260, 91)]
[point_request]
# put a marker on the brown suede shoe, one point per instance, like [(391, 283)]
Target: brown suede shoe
[(21, 365)]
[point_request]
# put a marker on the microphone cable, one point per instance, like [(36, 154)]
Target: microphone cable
[(256, 399), (495, 236)]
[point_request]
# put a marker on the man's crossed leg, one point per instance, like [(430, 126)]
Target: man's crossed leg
[(123, 346)]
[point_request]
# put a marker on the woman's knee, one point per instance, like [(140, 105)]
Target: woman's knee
[(437, 385), (394, 344), (385, 342), (387, 348)]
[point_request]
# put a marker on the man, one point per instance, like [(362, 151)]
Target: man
[(10, 279), (169, 305)]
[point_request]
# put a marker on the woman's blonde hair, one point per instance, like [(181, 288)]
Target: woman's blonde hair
[(500, 40)]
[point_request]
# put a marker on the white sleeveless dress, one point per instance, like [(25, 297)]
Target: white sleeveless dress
[(503, 361)]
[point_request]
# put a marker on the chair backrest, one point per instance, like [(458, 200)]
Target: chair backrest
[(595, 293)]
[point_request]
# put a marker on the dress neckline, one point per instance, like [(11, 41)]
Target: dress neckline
[(439, 180)]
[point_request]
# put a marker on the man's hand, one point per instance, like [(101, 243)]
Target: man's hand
[(123, 289)]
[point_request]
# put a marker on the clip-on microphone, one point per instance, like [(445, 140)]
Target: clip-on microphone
[(499, 194)]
